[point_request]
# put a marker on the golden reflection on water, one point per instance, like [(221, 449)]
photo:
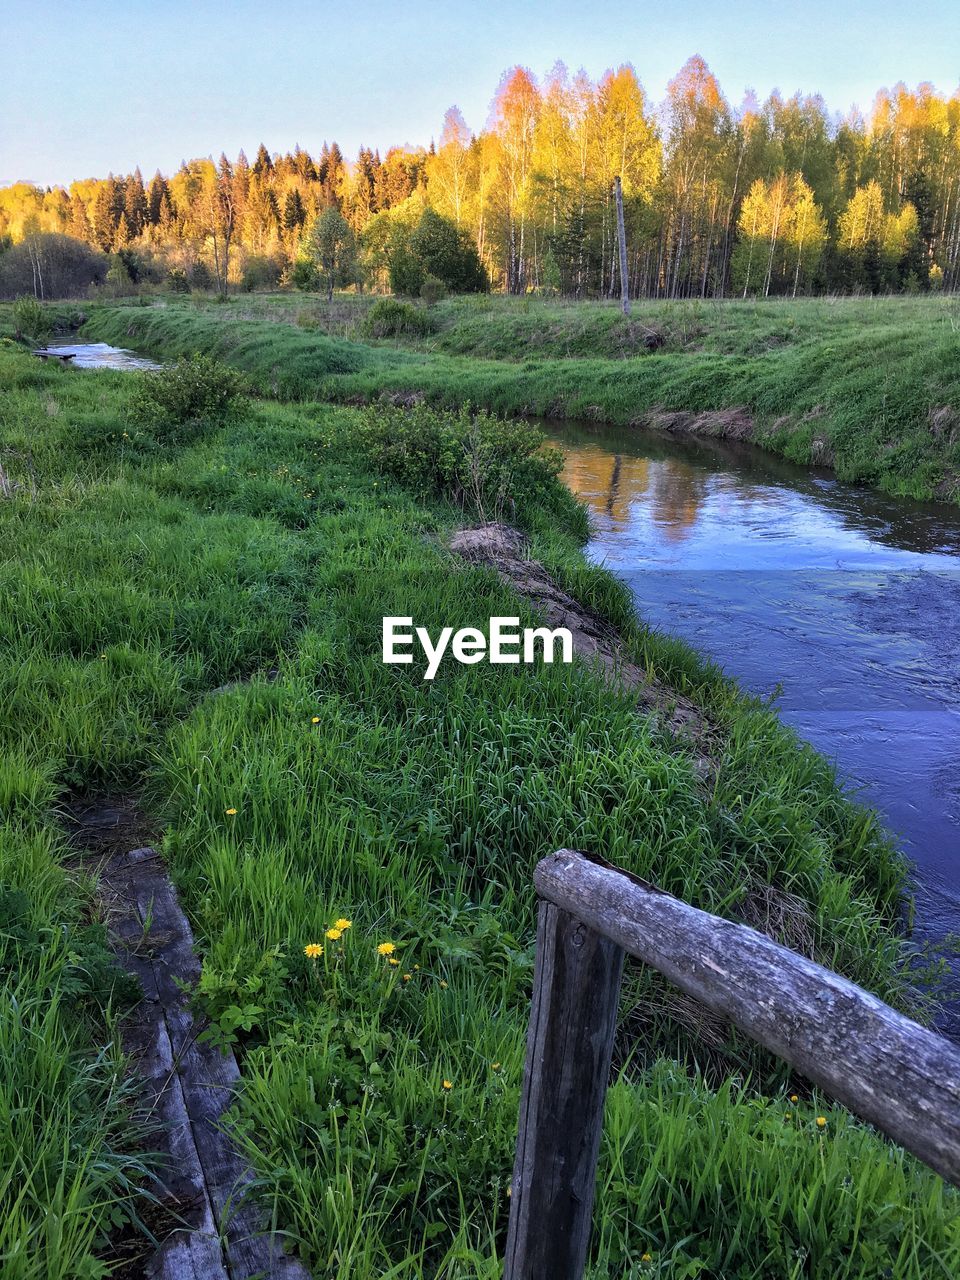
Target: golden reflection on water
[(610, 483)]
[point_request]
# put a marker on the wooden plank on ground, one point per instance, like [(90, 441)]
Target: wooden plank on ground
[(187, 1087)]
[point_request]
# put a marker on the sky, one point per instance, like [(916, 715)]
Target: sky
[(89, 87)]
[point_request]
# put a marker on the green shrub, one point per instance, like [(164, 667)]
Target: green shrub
[(406, 271), (495, 468), (432, 290), (31, 319), (447, 253), (391, 318), (261, 272), (305, 276), (183, 400)]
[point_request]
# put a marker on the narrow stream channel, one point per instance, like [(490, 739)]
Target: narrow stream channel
[(844, 600), (98, 355)]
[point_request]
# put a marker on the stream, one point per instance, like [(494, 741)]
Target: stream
[(840, 601), (98, 355)]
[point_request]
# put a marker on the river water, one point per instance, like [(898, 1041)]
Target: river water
[(841, 600), (100, 355)]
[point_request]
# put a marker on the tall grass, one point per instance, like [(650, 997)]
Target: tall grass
[(379, 1100), (870, 387)]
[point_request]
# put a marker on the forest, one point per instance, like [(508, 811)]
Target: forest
[(782, 197)]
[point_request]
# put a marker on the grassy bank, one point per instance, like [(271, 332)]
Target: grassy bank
[(379, 1100), (868, 387)]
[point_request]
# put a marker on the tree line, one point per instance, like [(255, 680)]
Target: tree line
[(773, 198)]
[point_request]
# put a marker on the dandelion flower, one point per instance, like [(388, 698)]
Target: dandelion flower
[(313, 950), (494, 1066), (315, 720), (342, 924), (394, 961), (443, 984), (407, 977), (334, 934), (230, 813), (794, 1098), (509, 1191), (821, 1122), (386, 949), (447, 1085), (646, 1257)]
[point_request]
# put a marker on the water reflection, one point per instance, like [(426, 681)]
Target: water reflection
[(844, 602)]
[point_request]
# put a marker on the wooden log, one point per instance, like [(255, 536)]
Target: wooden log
[(188, 1084), (576, 990), (899, 1076)]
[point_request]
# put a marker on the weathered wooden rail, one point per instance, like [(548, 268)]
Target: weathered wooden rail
[(890, 1071)]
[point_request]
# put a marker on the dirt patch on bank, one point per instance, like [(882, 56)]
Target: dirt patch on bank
[(720, 424), (505, 549)]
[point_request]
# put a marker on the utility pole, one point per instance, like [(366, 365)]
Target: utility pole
[(622, 237)]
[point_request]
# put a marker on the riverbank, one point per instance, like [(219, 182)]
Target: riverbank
[(379, 1100), (867, 387)]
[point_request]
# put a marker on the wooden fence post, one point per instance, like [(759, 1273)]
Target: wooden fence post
[(893, 1073), (576, 989)]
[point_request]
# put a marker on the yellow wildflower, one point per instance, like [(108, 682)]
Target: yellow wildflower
[(494, 1066), (821, 1122), (407, 977), (794, 1098), (447, 1085), (315, 720), (334, 934), (230, 812), (313, 950), (394, 961), (443, 984), (646, 1257), (386, 949), (342, 924)]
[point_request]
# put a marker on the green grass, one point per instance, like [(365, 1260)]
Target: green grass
[(141, 578), (870, 387)]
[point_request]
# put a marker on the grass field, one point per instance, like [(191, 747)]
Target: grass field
[(379, 1101), (870, 387)]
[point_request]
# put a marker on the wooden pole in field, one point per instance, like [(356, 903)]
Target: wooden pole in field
[(576, 989), (622, 237)]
